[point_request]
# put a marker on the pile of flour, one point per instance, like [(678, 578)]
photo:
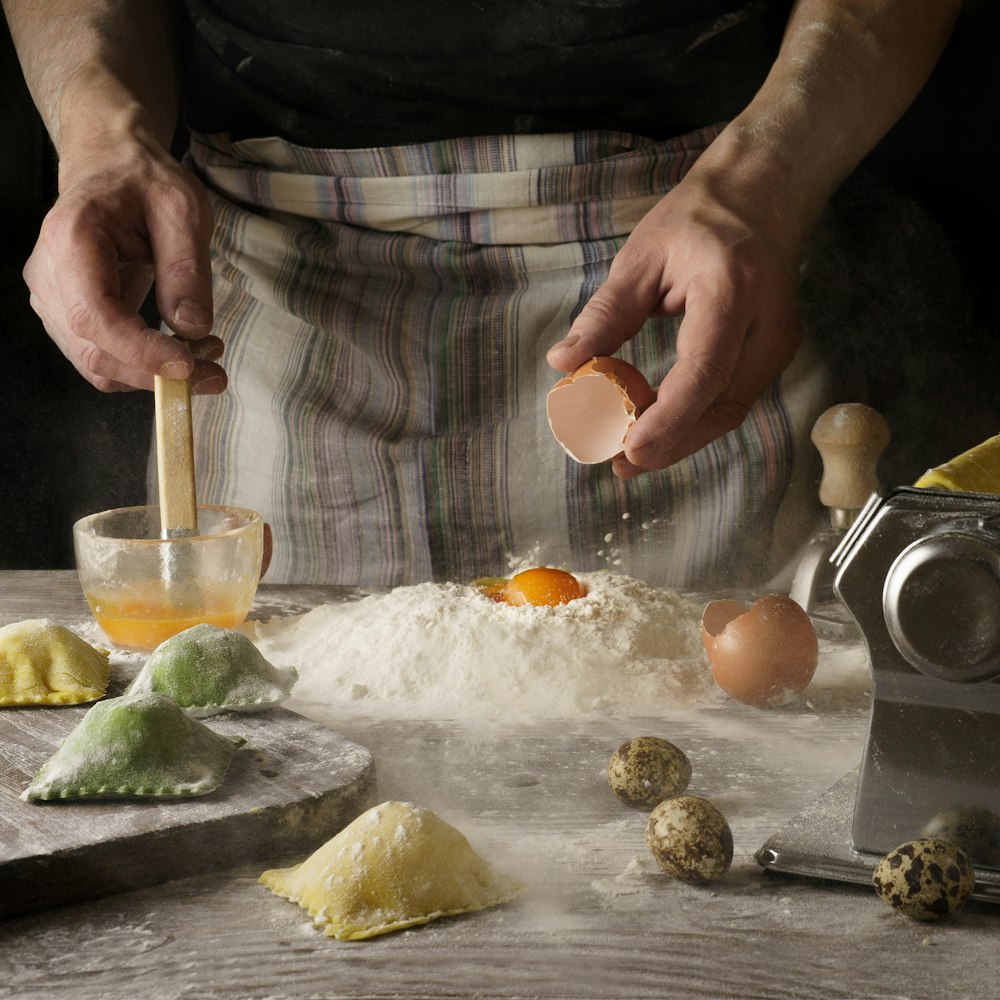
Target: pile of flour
[(444, 651)]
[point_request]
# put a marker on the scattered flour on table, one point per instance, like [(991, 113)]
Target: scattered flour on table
[(438, 651)]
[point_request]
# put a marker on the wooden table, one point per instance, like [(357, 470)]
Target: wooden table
[(598, 919)]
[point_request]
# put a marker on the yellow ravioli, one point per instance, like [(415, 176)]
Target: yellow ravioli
[(395, 866), (42, 663)]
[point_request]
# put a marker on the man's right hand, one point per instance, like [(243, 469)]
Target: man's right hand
[(128, 214)]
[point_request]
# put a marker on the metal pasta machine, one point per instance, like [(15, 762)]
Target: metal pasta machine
[(919, 572)]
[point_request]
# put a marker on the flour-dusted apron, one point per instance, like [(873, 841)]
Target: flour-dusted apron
[(386, 314)]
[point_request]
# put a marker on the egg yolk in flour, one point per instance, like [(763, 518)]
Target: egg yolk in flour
[(542, 586)]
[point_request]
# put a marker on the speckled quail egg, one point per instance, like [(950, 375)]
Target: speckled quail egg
[(646, 770), (926, 878), (690, 839)]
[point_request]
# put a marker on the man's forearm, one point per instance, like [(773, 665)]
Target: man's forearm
[(846, 71), (95, 67)]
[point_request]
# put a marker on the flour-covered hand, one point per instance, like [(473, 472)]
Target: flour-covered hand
[(722, 247), (126, 216), (724, 258)]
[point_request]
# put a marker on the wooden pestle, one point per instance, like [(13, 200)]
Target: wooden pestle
[(175, 458)]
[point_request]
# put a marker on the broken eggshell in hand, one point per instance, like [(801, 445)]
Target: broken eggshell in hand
[(592, 410), (764, 654)]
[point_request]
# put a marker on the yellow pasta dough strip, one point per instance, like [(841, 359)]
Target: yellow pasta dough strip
[(395, 866)]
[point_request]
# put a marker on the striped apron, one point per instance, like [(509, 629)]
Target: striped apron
[(386, 314)]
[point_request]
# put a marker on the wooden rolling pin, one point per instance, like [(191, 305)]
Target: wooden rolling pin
[(850, 438)]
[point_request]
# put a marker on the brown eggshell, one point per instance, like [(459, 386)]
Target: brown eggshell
[(592, 410), (716, 616), (765, 656)]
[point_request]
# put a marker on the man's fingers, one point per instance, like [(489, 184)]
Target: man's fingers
[(208, 379), (180, 228), (766, 352), (100, 369), (614, 314), (135, 281), (710, 343), (91, 320), (721, 417)]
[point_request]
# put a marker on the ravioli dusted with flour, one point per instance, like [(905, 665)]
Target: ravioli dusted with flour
[(42, 663), (137, 746), (395, 866), (207, 669)]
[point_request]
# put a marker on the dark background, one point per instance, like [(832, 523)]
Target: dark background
[(67, 450)]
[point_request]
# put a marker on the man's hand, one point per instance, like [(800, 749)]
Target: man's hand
[(727, 264), (128, 214), (102, 74), (722, 248)]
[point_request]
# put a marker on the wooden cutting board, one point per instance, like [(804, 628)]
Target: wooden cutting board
[(290, 788)]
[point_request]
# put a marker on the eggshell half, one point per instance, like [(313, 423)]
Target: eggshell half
[(592, 410), (764, 656), (716, 616)]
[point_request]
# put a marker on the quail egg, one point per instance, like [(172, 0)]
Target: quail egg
[(646, 770), (926, 879), (690, 839)]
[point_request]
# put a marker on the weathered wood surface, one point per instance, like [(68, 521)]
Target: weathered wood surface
[(290, 787), (597, 921)]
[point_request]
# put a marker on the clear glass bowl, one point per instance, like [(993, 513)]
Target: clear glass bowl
[(143, 588)]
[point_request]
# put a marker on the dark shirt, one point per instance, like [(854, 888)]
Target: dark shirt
[(327, 73)]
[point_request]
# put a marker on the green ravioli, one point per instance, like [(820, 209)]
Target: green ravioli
[(135, 746), (207, 669)]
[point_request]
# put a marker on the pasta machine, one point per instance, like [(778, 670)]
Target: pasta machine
[(919, 572)]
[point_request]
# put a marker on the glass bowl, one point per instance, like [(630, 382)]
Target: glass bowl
[(143, 588)]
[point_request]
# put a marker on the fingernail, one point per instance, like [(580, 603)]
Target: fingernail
[(210, 386), (192, 313), (206, 350), (640, 454), (570, 341), (174, 369)]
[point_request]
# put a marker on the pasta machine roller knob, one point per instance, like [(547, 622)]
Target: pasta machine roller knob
[(941, 602)]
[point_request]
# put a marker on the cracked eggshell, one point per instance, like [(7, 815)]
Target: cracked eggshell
[(592, 410), (763, 655), (716, 616)]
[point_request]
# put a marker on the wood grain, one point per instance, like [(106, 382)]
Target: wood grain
[(597, 920), (175, 457), (291, 787)]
